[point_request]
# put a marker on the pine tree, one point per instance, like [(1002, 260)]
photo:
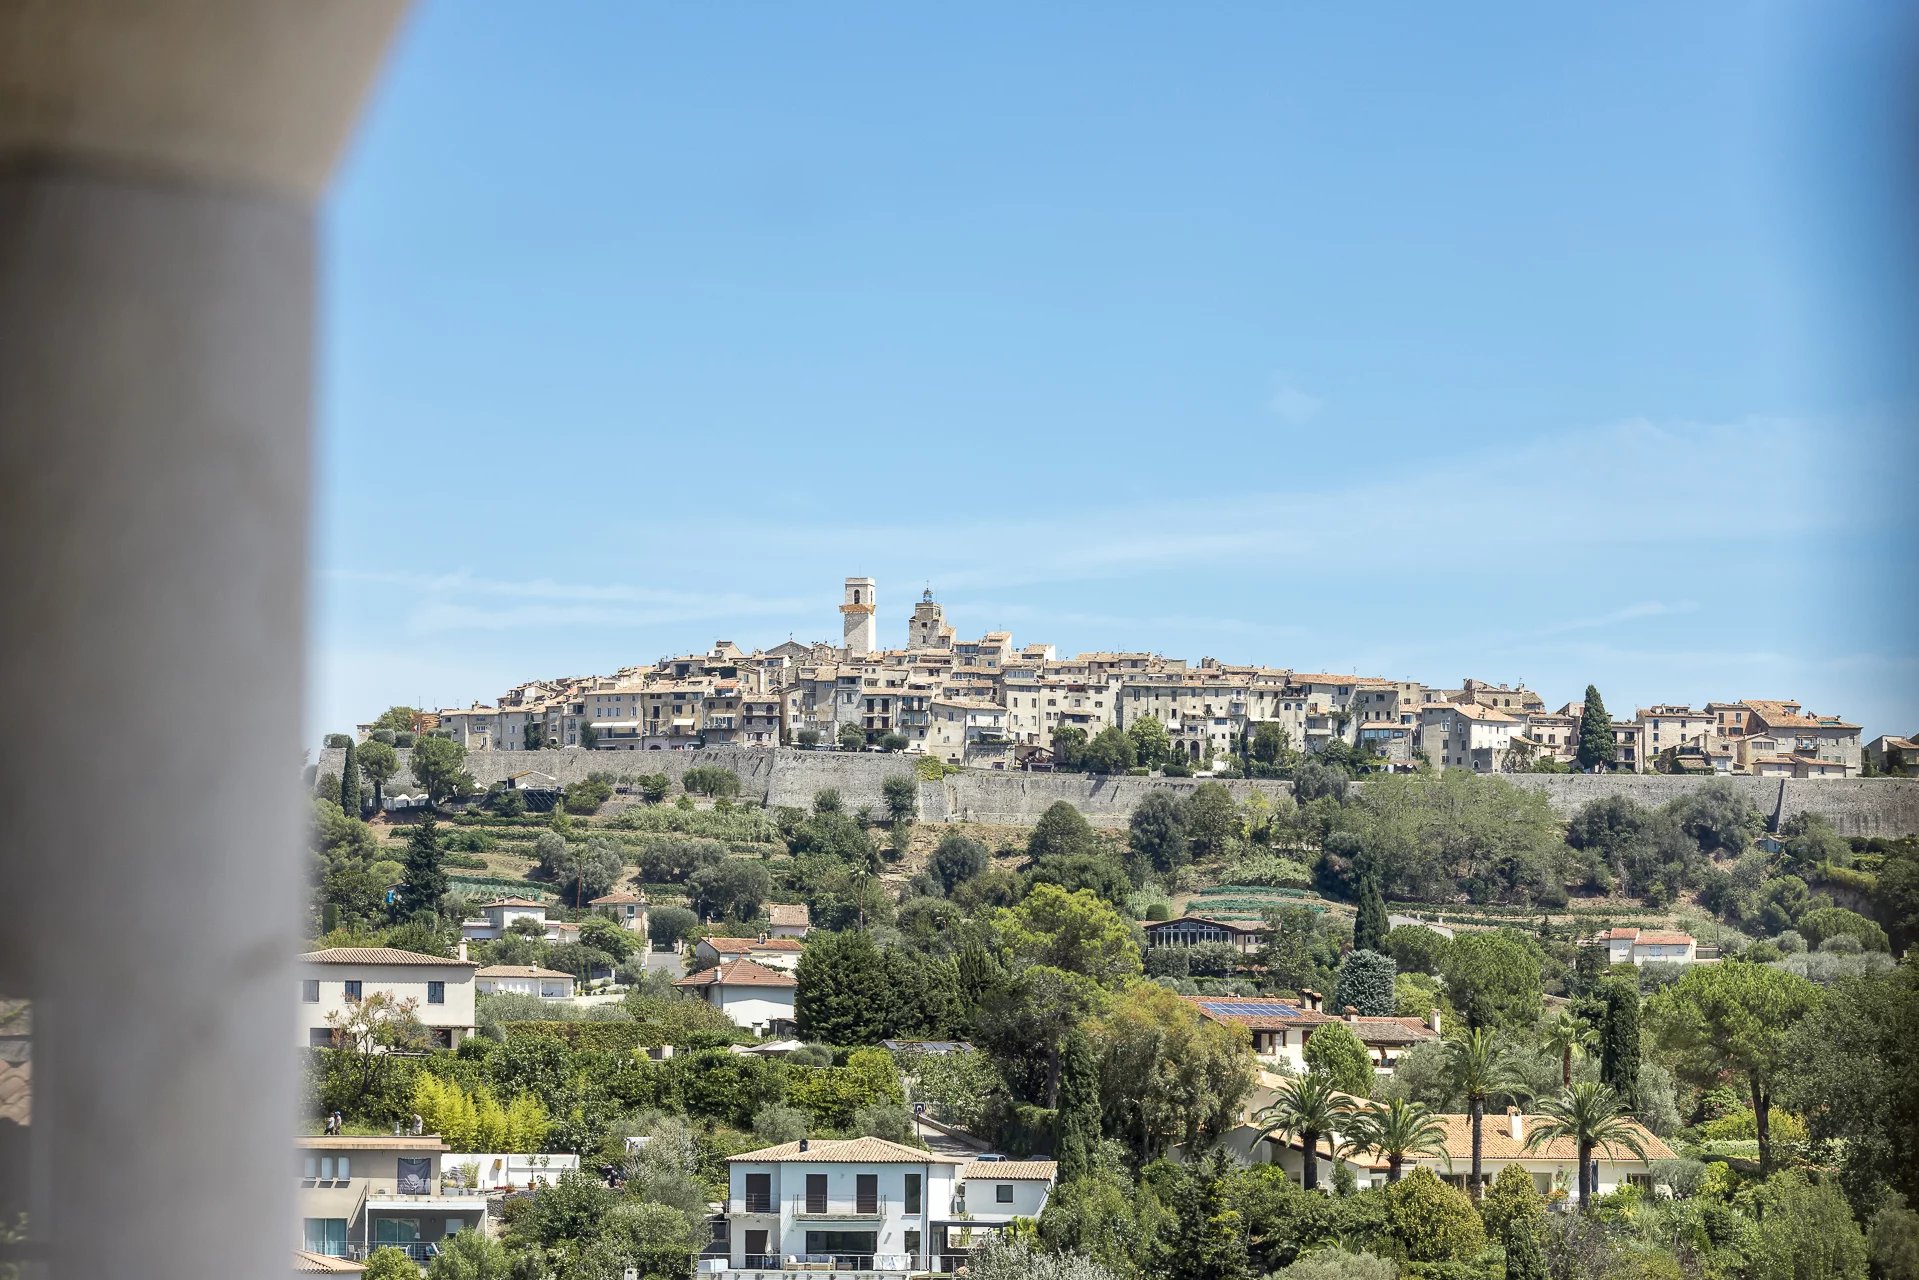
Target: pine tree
[(1078, 1108), (1596, 746), (350, 781), (1619, 1037), (424, 883), (1370, 929)]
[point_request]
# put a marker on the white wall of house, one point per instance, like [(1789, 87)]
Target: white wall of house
[(754, 1008), (326, 984), (983, 1197), (494, 1171), (787, 1224)]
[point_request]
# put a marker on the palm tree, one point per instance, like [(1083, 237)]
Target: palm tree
[(1565, 1035), (1396, 1130), (1592, 1117), (1310, 1108), (1480, 1067)]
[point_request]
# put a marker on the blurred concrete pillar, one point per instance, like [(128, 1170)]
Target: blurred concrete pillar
[(159, 161)]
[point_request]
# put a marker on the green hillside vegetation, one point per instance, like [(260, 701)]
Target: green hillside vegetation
[(1786, 1076)]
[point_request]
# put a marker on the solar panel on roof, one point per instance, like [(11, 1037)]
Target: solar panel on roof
[(1250, 1008)]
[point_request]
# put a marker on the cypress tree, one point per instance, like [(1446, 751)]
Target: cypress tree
[(1525, 1259), (350, 781), (1369, 930), (424, 883), (1619, 1037), (1596, 746), (1588, 969), (1079, 1132)]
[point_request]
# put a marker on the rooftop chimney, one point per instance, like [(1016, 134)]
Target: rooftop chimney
[(1432, 1019), (462, 948), (1517, 1123), (1350, 1012), (806, 1144)]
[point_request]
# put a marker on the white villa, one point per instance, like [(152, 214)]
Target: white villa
[(1554, 1165), (866, 1206), (1280, 1028), (788, 920), (625, 906), (753, 996), (501, 914), (525, 980), (1637, 946), (333, 981)]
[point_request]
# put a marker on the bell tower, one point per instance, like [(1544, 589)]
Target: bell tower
[(856, 615), (928, 629)]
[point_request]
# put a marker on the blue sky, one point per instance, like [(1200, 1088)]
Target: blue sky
[(1514, 341)]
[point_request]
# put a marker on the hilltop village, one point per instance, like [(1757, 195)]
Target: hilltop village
[(991, 704), (1309, 979)]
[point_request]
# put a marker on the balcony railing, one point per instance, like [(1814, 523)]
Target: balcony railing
[(421, 1251), (805, 1206)]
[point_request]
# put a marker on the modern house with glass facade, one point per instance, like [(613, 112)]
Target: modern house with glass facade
[(360, 1194)]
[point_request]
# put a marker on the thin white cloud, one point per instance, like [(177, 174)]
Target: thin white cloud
[(1629, 613), (462, 601), (1289, 403), (1651, 483), (1121, 625)]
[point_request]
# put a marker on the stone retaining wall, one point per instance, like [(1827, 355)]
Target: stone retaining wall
[(787, 776)]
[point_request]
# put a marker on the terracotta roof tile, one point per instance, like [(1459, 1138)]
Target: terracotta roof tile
[(845, 1151), (305, 1263), (738, 973), (1013, 1170), (1497, 1136), (380, 955)]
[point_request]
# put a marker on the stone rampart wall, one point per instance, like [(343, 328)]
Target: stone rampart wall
[(786, 776)]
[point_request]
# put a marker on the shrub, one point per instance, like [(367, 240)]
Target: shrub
[(711, 780), (606, 1037), (669, 925), (1338, 1264), (1333, 1050), (1429, 1221), (587, 795), (776, 1122), (888, 1120), (1828, 923), (1512, 1201), (671, 859), (1743, 1126)]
